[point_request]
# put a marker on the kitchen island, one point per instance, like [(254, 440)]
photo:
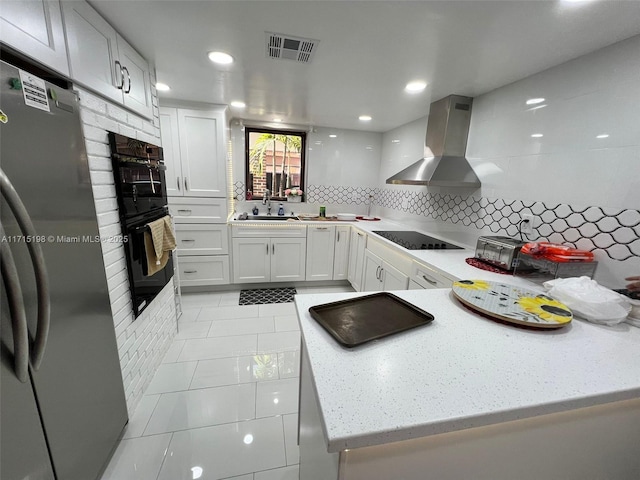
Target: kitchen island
[(469, 398)]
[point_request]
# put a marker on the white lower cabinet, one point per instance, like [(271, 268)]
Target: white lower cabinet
[(320, 248), (202, 239), (202, 244), (424, 276), (268, 259), (380, 275), (357, 247), (341, 253), (385, 268), (201, 270)]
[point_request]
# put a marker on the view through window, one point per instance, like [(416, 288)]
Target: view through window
[(274, 161)]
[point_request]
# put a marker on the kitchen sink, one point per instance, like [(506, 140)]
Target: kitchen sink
[(273, 218)]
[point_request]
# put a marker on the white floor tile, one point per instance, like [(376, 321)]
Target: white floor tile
[(291, 438), (289, 364), (286, 323), (200, 300), (223, 313), (277, 309), (138, 421), (189, 314), (193, 330), (173, 352), (137, 458), (209, 348), (273, 342), (235, 370), (172, 377), (226, 450), (199, 408), (241, 326), (285, 473), (277, 397)]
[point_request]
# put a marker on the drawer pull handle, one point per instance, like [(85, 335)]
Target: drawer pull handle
[(378, 272), (432, 282), (186, 186), (191, 271), (273, 248), (178, 182), (338, 237), (267, 249), (185, 211), (360, 234), (188, 240)]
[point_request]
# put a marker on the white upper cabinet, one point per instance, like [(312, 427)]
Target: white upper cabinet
[(101, 60), (35, 28), (194, 152)]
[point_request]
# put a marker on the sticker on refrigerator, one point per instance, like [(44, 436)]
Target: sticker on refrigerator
[(35, 91)]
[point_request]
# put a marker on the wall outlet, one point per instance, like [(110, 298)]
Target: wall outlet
[(527, 226)]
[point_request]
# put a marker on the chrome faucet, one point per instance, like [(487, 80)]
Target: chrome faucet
[(266, 200)]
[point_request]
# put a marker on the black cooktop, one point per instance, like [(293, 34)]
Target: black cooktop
[(417, 241)]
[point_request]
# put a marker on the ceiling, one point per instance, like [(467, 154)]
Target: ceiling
[(367, 51)]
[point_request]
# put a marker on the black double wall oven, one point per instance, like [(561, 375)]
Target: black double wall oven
[(138, 169)]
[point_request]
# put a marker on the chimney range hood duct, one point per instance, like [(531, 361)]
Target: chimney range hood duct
[(444, 163)]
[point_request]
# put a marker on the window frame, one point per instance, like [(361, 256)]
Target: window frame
[(276, 131)]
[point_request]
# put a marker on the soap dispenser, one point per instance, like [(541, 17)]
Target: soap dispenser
[(281, 210), (255, 210)]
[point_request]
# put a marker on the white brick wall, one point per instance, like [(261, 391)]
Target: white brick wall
[(144, 341)]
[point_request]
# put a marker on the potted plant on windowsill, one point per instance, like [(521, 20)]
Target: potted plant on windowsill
[(294, 194)]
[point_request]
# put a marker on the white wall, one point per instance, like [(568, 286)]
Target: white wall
[(583, 190), (142, 342), (341, 170)]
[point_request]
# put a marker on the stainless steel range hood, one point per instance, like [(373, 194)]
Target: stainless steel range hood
[(444, 163)]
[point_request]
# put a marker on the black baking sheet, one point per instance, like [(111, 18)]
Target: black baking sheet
[(359, 320)]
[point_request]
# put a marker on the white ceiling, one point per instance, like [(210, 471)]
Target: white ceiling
[(368, 51)]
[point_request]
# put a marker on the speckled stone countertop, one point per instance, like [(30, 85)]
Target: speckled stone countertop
[(461, 371)]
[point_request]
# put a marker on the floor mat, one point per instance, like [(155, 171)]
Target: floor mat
[(266, 295)]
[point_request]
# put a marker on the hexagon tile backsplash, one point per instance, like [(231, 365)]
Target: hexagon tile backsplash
[(616, 232)]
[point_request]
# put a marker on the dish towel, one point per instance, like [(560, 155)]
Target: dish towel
[(158, 243)]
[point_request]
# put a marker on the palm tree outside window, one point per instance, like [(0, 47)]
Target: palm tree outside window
[(275, 161)]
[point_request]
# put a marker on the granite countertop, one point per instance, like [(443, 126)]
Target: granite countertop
[(461, 371)]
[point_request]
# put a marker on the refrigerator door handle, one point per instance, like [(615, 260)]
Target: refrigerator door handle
[(17, 312), (39, 267)]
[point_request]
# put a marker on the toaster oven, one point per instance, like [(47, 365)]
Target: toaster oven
[(499, 251)]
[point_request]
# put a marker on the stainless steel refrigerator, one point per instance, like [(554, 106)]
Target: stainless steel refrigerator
[(62, 405)]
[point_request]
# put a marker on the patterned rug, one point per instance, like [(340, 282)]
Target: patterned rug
[(266, 295)]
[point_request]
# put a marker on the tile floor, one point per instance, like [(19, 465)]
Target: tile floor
[(224, 402)]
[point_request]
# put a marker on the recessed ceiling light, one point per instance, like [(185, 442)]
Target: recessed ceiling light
[(163, 87), (603, 135), (333, 136), (364, 118), (278, 120), (536, 135), (533, 101), (221, 58), (238, 104), (415, 87), (537, 107)]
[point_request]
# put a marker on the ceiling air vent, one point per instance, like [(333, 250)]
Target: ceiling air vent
[(288, 47)]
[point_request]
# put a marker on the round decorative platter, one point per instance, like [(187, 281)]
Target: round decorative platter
[(512, 304)]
